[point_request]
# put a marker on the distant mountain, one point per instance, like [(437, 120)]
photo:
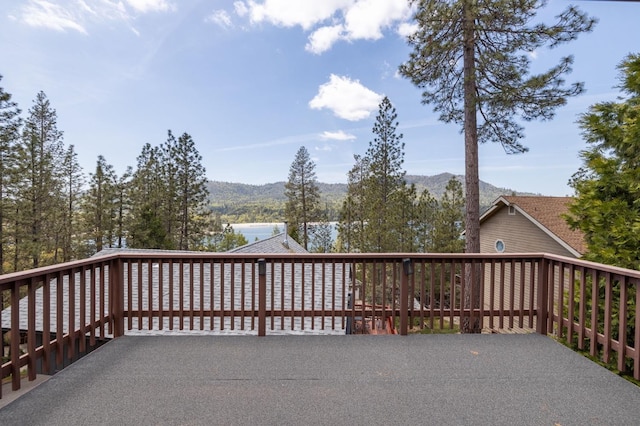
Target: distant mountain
[(227, 193), (438, 183)]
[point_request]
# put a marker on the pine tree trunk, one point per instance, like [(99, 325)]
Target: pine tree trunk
[(472, 188)]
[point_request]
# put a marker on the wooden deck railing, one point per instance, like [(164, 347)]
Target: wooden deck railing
[(594, 308), (51, 315)]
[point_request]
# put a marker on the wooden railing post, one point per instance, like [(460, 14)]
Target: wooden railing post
[(262, 297), (116, 280), (407, 267), (636, 337), (543, 296), (15, 336)]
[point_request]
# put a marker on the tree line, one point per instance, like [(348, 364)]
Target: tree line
[(381, 213), (51, 212)]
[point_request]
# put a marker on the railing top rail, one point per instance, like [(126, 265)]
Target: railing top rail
[(51, 269), (11, 278), (615, 270), (349, 257), (340, 256)]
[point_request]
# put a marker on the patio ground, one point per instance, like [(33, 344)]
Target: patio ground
[(357, 380)]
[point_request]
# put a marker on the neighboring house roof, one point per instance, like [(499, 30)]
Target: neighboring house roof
[(277, 244), (112, 250), (331, 285), (280, 243), (547, 213)]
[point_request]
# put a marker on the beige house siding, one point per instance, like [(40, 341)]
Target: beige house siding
[(519, 235), (516, 293)]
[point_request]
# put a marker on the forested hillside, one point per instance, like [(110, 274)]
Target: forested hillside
[(239, 202), (228, 192), (51, 212)]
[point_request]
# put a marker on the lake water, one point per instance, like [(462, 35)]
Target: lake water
[(261, 231), (253, 231)]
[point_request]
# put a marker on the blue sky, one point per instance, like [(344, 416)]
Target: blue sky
[(251, 81)]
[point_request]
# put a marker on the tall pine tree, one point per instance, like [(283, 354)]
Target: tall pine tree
[(449, 220), (425, 215), (10, 123), (191, 194), (38, 182), (168, 196), (303, 197), (73, 183), (147, 191), (122, 206), (99, 205), (607, 202), (384, 183), (351, 218), (168, 169), (471, 59), (378, 207)]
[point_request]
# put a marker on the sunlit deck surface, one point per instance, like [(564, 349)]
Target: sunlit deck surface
[(418, 379)]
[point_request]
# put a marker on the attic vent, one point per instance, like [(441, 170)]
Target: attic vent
[(512, 210)]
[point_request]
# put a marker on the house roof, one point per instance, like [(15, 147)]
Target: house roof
[(112, 250), (293, 294), (548, 214), (277, 244)]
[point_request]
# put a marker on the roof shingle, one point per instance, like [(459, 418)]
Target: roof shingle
[(549, 212), (276, 244)]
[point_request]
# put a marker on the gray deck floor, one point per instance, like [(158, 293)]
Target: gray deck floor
[(355, 380)]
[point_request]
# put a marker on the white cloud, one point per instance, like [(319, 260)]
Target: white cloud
[(145, 6), (221, 18), (41, 13), (324, 148), (77, 15), (286, 140), (107, 10), (289, 13), (348, 99), (330, 20), (406, 29), (84, 6), (323, 38), (240, 8), (340, 135), (367, 18)]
